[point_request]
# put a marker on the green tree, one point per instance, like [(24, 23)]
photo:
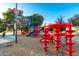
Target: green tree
[(75, 21), (38, 19), (9, 18)]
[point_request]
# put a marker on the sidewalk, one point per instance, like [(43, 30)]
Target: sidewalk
[(8, 38)]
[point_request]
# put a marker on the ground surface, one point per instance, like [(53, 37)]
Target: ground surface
[(30, 46)]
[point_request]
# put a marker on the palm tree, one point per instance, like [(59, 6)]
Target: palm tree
[(60, 20)]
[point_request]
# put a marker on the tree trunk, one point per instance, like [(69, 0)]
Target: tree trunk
[(21, 29), (3, 34)]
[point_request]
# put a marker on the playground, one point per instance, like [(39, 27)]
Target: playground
[(42, 44), (31, 35)]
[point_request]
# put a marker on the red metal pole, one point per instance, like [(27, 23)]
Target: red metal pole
[(57, 40), (69, 49)]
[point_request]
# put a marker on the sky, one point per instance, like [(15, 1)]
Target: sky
[(50, 11)]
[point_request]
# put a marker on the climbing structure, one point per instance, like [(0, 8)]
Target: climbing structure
[(57, 33), (57, 39), (45, 38), (69, 41), (36, 31)]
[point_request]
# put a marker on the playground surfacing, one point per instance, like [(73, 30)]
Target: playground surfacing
[(30, 46)]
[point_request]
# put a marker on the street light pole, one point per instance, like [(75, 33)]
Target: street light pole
[(16, 26)]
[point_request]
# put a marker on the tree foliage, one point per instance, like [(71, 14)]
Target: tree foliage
[(75, 20), (38, 19), (9, 16), (9, 19), (60, 20)]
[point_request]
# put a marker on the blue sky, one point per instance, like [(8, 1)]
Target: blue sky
[(50, 11)]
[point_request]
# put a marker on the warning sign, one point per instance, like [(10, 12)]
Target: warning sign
[(17, 11)]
